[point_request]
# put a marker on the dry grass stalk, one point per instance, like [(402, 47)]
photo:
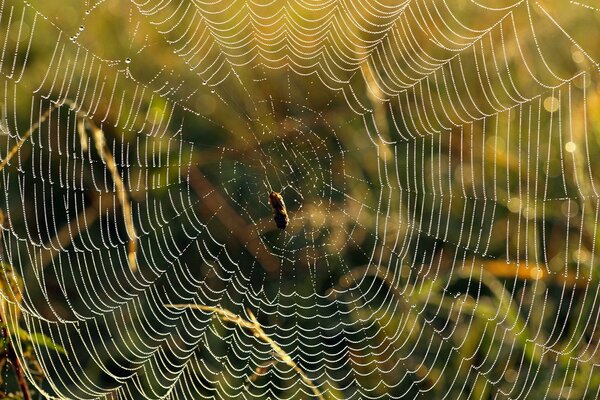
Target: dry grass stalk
[(108, 159), (376, 97), (12, 152), (254, 326), (121, 191)]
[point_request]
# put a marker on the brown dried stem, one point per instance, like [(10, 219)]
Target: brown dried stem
[(259, 371), (217, 204), (14, 358), (353, 276), (10, 352), (68, 232), (254, 326)]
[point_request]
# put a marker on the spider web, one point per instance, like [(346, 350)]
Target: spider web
[(437, 163)]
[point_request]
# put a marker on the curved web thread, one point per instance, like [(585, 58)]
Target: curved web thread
[(436, 162)]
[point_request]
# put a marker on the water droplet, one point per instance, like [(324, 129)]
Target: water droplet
[(204, 83), (127, 60), (570, 147), (578, 56), (212, 91), (87, 12), (80, 28), (551, 104)]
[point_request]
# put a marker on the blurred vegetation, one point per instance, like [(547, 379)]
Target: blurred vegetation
[(443, 232)]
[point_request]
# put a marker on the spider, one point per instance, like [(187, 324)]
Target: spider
[(279, 212)]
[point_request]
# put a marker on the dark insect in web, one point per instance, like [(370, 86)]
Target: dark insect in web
[(279, 212)]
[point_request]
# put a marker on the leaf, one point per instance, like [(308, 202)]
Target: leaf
[(40, 339), (11, 289), (43, 340), (21, 333)]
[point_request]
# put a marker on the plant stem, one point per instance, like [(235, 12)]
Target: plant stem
[(14, 360)]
